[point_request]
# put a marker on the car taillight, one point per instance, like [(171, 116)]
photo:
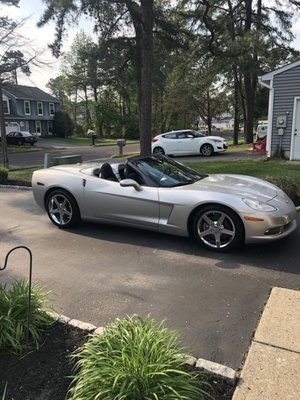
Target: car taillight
[(154, 140)]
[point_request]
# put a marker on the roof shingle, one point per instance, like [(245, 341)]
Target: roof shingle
[(28, 93)]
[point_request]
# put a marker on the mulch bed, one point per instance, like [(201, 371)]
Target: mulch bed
[(45, 374)]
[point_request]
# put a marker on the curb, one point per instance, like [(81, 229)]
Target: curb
[(214, 369), (15, 187)]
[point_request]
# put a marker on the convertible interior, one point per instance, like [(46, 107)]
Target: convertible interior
[(117, 172)]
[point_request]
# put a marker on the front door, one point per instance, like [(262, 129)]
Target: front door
[(108, 201), (184, 144), (295, 151)]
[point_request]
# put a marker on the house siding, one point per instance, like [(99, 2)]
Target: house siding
[(286, 87)]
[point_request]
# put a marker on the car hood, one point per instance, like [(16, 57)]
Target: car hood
[(240, 185), (214, 138)]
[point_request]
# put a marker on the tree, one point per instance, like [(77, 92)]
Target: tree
[(62, 124), (110, 17), (11, 60), (244, 34)]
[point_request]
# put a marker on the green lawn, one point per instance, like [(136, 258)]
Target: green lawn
[(22, 149), (86, 140), (257, 168), (23, 174)]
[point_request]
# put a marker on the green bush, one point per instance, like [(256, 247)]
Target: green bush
[(133, 359), (63, 125), (286, 184), (13, 316), (3, 174)]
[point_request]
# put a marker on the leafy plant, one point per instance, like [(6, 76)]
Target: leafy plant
[(4, 393), (3, 174), (13, 316), (133, 359), (286, 184)]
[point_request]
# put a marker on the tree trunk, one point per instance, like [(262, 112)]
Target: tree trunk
[(248, 80), (236, 126), (145, 92), (3, 131)]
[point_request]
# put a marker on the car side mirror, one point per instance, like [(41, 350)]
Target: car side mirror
[(131, 182)]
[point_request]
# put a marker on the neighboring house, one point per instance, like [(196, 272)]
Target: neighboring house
[(223, 121), (283, 137), (29, 108)]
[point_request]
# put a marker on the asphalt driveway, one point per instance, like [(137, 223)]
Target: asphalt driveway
[(96, 273)]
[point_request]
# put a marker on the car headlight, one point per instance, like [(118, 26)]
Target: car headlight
[(259, 206), (217, 140)]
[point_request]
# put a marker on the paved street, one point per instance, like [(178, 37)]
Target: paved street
[(90, 153), (97, 273)]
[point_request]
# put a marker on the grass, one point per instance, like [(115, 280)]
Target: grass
[(22, 149), (257, 168), (23, 174), (13, 316), (86, 140), (240, 147), (134, 359)]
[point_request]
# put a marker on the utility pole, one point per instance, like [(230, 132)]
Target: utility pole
[(3, 130)]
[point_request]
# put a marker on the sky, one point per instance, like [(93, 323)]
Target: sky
[(41, 37), (39, 40)]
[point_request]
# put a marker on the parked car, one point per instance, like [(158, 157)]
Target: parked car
[(188, 142), (157, 193), (21, 138)]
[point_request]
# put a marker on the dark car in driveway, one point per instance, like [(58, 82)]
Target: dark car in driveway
[(21, 138)]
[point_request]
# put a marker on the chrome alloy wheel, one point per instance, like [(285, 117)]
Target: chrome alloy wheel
[(60, 209), (216, 229)]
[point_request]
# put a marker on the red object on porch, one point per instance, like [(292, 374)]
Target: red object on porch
[(260, 146)]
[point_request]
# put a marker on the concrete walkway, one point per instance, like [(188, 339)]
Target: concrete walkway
[(272, 367)]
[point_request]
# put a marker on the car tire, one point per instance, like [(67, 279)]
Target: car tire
[(207, 150), (62, 209), (218, 228), (158, 150)]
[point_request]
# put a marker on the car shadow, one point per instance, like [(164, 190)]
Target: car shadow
[(277, 256)]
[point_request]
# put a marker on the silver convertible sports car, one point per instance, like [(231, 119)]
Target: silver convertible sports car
[(155, 192)]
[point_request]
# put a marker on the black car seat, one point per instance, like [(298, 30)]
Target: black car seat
[(121, 171), (106, 172)]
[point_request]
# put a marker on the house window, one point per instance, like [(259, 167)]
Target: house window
[(40, 109), (27, 109), (51, 108), (38, 127), (6, 109)]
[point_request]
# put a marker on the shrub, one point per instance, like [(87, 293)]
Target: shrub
[(286, 184), (13, 316), (133, 359), (3, 174), (63, 125)]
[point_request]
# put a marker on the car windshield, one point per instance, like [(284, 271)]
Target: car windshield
[(26, 134), (166, 172), (199, 134)]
